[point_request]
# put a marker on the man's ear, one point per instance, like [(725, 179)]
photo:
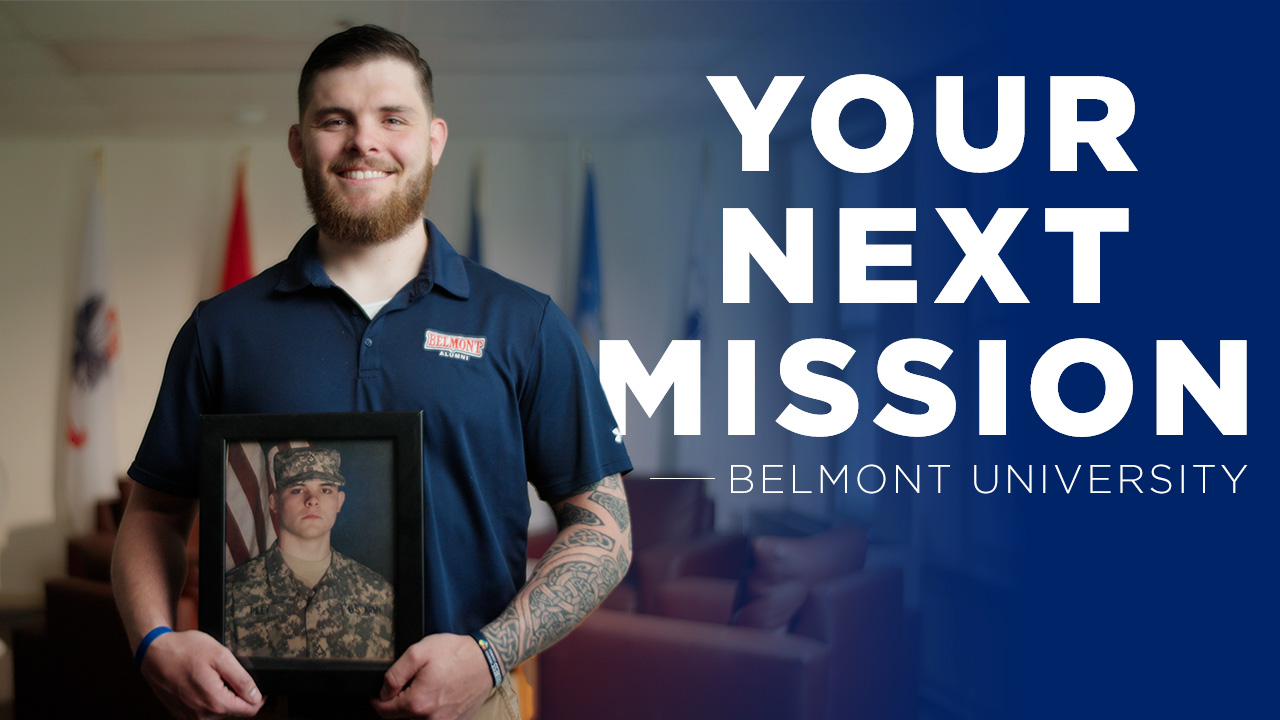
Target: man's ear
[(271, 501), (439, 134), (342, 497), (295, 145)]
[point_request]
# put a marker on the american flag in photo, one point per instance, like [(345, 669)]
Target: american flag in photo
[(250, 528)]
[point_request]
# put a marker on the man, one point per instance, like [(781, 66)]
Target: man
[(302, 598), (373, 310)]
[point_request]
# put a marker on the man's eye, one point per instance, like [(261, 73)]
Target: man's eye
[(333, 122), (395, 121)]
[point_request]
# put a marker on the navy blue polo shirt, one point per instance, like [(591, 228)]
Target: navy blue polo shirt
[(507, 391)]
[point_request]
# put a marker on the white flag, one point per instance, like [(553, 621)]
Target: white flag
[(90, 467)]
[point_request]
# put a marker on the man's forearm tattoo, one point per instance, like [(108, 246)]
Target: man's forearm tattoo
[(589, 538), (575, 515), (616, 507), (588, 559)]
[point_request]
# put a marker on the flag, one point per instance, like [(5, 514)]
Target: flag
[(249, 478), (687, 451), (89, 450), (474, 249), (587, 315), (695, 282), (238, 265)]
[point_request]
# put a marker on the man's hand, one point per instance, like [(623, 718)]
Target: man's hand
[(192, 674), (197, 678), (441, 677)]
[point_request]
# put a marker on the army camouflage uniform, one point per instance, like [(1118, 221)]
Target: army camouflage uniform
[(270, 613)]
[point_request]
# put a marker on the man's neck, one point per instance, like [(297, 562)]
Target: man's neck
[(305, 548), (374, 273)]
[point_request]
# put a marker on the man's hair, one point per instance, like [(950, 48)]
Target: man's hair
[(360, 45)]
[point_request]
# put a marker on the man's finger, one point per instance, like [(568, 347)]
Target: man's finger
[(212, 695), (236, 677), (388, 708), (238, 707), (397, 676)]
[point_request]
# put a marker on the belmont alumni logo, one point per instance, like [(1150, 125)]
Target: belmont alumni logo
[(460, 347)]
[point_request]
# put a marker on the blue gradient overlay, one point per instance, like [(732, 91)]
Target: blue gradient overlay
[(1031, 604)]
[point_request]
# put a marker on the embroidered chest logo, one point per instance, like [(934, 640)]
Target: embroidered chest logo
[(459, 347)]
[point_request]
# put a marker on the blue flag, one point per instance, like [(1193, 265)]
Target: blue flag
[(695, 284), (586, 316), (473, 248)]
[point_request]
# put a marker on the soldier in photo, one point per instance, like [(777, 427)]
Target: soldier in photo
[(302, 598)]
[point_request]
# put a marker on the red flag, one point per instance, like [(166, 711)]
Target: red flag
[(239, 263)]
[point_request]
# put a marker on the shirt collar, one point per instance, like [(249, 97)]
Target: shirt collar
[(443, 267)]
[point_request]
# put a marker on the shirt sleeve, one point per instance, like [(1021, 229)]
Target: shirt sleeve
[(570, 437), (167, 459)]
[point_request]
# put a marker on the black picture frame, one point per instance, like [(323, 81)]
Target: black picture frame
[(388, 442)]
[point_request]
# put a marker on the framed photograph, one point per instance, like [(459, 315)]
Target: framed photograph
[(311, 545)]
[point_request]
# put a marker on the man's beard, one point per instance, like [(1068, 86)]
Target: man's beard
[(370, 227)]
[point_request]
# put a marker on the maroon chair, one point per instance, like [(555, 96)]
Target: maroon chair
[(775, 628), (668, 519), (81, 643), (626, 666), (77, 662)]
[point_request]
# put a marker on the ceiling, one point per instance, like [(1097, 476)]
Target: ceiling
[(502, 68)]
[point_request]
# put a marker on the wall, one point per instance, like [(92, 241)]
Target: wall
[(167, 206)]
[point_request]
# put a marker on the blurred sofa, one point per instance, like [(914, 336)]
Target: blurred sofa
[(765, 627)]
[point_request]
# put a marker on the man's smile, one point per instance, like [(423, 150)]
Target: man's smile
[(363, 174)]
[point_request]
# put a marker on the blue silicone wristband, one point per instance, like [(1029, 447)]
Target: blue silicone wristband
[(146, 643)]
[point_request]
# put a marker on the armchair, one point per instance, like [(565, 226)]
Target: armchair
[(667, 518), (771, 628), (77, 660)]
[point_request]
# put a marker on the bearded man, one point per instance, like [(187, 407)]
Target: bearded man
[(367, 314)]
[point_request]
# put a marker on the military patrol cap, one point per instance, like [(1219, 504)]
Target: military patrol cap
[(295, 466)]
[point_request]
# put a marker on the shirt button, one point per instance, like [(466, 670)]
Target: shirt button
[(368, 342)]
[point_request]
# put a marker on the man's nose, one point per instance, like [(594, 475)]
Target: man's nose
[(364, 139)]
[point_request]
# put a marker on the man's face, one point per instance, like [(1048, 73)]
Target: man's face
[(307, 510), (367, 146)]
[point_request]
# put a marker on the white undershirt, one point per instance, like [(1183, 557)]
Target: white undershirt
[(371, 309)]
